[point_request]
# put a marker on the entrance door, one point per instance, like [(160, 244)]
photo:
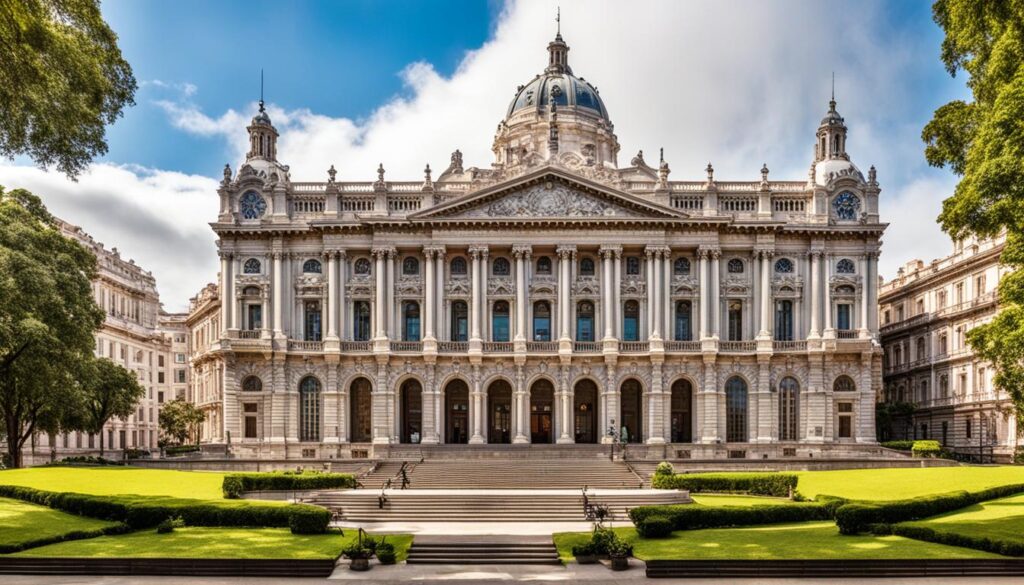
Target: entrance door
[(542, 400), (412, 412), (585, 412), (682, 421), (632, 412), (456, 397), (499, 412)]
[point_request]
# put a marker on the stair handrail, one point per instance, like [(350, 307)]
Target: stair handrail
[(635, 473)]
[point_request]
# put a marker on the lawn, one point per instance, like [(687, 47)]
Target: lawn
[(737, 500), (213, 543), (21, 522), (806, 540), (996, 519), (119, 480), (896, 484)]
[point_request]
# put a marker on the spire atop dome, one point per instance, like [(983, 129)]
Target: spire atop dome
[(558, 51), (262, 134)]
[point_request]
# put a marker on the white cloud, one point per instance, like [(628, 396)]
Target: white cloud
[(738, 84), (158, 218)]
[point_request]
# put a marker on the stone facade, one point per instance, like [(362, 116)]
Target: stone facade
[(927, 311), (552, 297)]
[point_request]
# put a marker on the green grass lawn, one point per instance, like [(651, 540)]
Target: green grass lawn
[(897, 484), (806, 540), (21, 522), (101, 481), (213, 543), (737, 500), (996, 519)]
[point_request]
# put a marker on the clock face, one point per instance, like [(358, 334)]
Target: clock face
[(846, 206), (252, 205)]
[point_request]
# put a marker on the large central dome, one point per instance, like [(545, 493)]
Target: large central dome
[(559, 86)]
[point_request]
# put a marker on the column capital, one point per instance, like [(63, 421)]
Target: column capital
[(522, 250), (225, 255), (478, 251), (430, 250), (566, 251), (765, 253), (609, 250), (814, 254), (383, 251)]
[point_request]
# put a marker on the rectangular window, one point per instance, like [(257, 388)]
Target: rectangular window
[(843, 317), (979, 285), (179, 376), (159, 377), (968, 428), (160, 397), (179, 358), (312, 322), (958, 292), (845, 420), (250, 427), (783, 320), (254, 317), (735, 321), (981, 380), (920, 307), (160, 361)]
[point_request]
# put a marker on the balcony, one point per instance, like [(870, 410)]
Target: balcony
[(737, 346), (249, 334), (542, 346), (682, 346), (846, 334), (634, 346), (407, 346), (787, 346), (452, 346), (497, 347), (355, 346), (586, 347), (305, 346)]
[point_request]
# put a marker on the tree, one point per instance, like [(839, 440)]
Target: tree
[(180, 421), (47, 320), (110, 391), (983, 142), (62, 80)]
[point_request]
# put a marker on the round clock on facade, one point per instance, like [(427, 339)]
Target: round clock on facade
[(846, 206), (252, 205)]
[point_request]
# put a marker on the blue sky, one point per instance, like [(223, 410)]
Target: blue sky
[(405, 82)]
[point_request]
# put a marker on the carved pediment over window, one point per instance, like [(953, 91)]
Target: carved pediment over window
[(794, 284), (543, 285), (308, 280), (735, 280), (548, 200), (737, 291), (409, 288), (586, 285), (457, 287), (501, 286), (252, 279), (634, 286), (359, 289)]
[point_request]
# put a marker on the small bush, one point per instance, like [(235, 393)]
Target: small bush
[(168, 525), (583, 550), (181, 449), (899, 445), (601, 539), (386, 553), (235, 484), (654, 526), (762, 484), (926, 449), (664, 468), (694, 516), (309, 520)]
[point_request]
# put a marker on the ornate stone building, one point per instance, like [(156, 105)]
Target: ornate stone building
[(551, 297), (927, 311)]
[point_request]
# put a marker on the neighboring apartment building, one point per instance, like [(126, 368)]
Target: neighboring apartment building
[(131, 337), (175, 327), (926, 312), (206, 378)]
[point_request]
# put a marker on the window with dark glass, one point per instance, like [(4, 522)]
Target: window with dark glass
[(543, 265), (631, 321), (458, 266), (252, 384), (789, 390), (410, 266), (734, 266), (311, 266), (312, 321), (784, 320), (845, 266), (254, 316), (843, 317), (684, 314), (585, 321), (844, 384), (252, 266), (362, 266), (500, 322), (460, 321), (541, 321), (410, 321), (735, 322), (309, 409), (361, 321), (632, 265), (501, 267), (736, 410), (587, 267), (682, 412), (681, 267), (784, 266)]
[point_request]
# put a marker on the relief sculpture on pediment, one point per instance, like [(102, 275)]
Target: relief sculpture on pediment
[(549, 200)]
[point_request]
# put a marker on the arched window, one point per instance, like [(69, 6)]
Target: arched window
[(632, 265), (458, 266), (410, 266), (736, 410), (631, 321), (252, 266), (543, 265), (499, 321), (585, 321), (501, 267), (784, 266), (681, 267), (844, 384), (587, 267), (784, 320), (311, 266), (362, 266), (410, 321), (460, 321), (361, 321), (411, 413), (251, 291), (684, 313), (735, 266), (252, 384), (789, 390), (845, 266), (541, 321), (361, 411), (309, 409)]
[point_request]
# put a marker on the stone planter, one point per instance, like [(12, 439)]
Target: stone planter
[(586, 559), (620, 563), (360, 565)]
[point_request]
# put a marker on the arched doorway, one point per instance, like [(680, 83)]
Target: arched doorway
[(631, 428), (456, 407), (681, 416), (736, 410), (411, 420), (499, 412), (585, 411), (360, 411), (542, 404)]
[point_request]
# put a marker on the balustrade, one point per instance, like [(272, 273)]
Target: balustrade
[(683, 346), (452, 346), (542, 346), (789, 345), (737, 346), (355, 346), (586, 347), (298, 345), (634, 346), (406, 346), (497, 347)]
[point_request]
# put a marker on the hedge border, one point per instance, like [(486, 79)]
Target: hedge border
[(119, 528), (948, 537), (761, 484), (696, 516), (858, 517), (235, 484)]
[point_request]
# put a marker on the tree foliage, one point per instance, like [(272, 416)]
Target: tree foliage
[(110, 391), (47, 320), (180, 420), (62, 80), (983, 142)]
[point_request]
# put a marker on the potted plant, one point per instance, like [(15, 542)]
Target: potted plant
[(585, 553), (359, 555), (386, 553), (619, 552)]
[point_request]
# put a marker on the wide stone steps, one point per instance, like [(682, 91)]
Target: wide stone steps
[(490, 551), (518, 474)]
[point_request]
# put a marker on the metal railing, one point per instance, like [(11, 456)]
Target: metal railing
[(586, 347), (683, 346), (452, 346)]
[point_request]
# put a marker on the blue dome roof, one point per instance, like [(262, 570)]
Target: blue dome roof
[(565, 89)]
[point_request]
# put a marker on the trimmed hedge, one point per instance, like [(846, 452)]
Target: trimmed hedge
[(926, 449), (655, 526), (695, 516), (899, 445), (55, 538), (147, 512), (236, 483), (999, 547), (857, 517), (761, 484)]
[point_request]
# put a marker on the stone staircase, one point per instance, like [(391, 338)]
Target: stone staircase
[(483, 550), (377, 476), (509, 474), (485, 505)]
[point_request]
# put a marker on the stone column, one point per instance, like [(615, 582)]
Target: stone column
[(568, 433), (277, 293), (380, 295), (342, 281), (873, 293), (332, 295), (226, 301), (428, 292), (827, 269), (815, 271), (477, 406), (439, 298), (393, 332), (766, 294), (611, 413), (716, 300), (607, 295), (666, 303), (617, 294), (565, 254), (658, 294), (655, 433), (705, 293), (864, 271), (519, 409), (649, 278), (522, 258)]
